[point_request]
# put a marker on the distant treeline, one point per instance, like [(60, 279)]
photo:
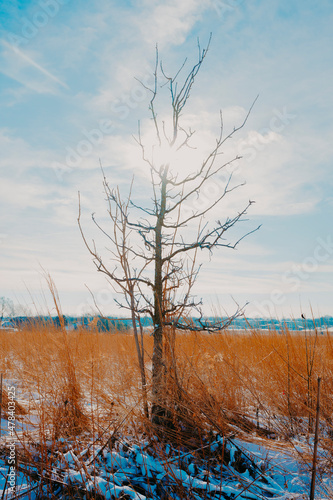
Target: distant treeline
[(103, 324), (112, 324)]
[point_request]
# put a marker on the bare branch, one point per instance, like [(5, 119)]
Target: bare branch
[(153, 262)]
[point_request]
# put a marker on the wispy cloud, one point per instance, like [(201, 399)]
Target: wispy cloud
[(23, 61), (170, 22), (79, 70)]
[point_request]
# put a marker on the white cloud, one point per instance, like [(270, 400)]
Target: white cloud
[(17, 155), (98, 49), (169, 24), (274, 170), (153, 23)]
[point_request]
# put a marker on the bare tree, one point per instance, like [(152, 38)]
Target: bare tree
[(157, 273), (7, 308), (123, 279)]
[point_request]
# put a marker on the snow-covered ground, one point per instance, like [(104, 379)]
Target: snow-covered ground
[(129, 465), (126, 468)]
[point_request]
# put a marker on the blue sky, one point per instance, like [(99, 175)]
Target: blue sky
[(69, 98)]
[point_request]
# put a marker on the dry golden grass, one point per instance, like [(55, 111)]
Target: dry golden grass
[(84, 386), (84, 379), (273, 372)]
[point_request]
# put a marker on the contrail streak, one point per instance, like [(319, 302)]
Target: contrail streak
[(34, 64)]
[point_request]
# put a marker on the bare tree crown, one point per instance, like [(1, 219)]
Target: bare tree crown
[(156, 276)]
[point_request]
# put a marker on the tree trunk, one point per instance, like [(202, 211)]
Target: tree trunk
[(158, 365), (140, 353)]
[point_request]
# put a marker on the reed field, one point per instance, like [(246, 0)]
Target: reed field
[(258, 386), (273, 373)]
